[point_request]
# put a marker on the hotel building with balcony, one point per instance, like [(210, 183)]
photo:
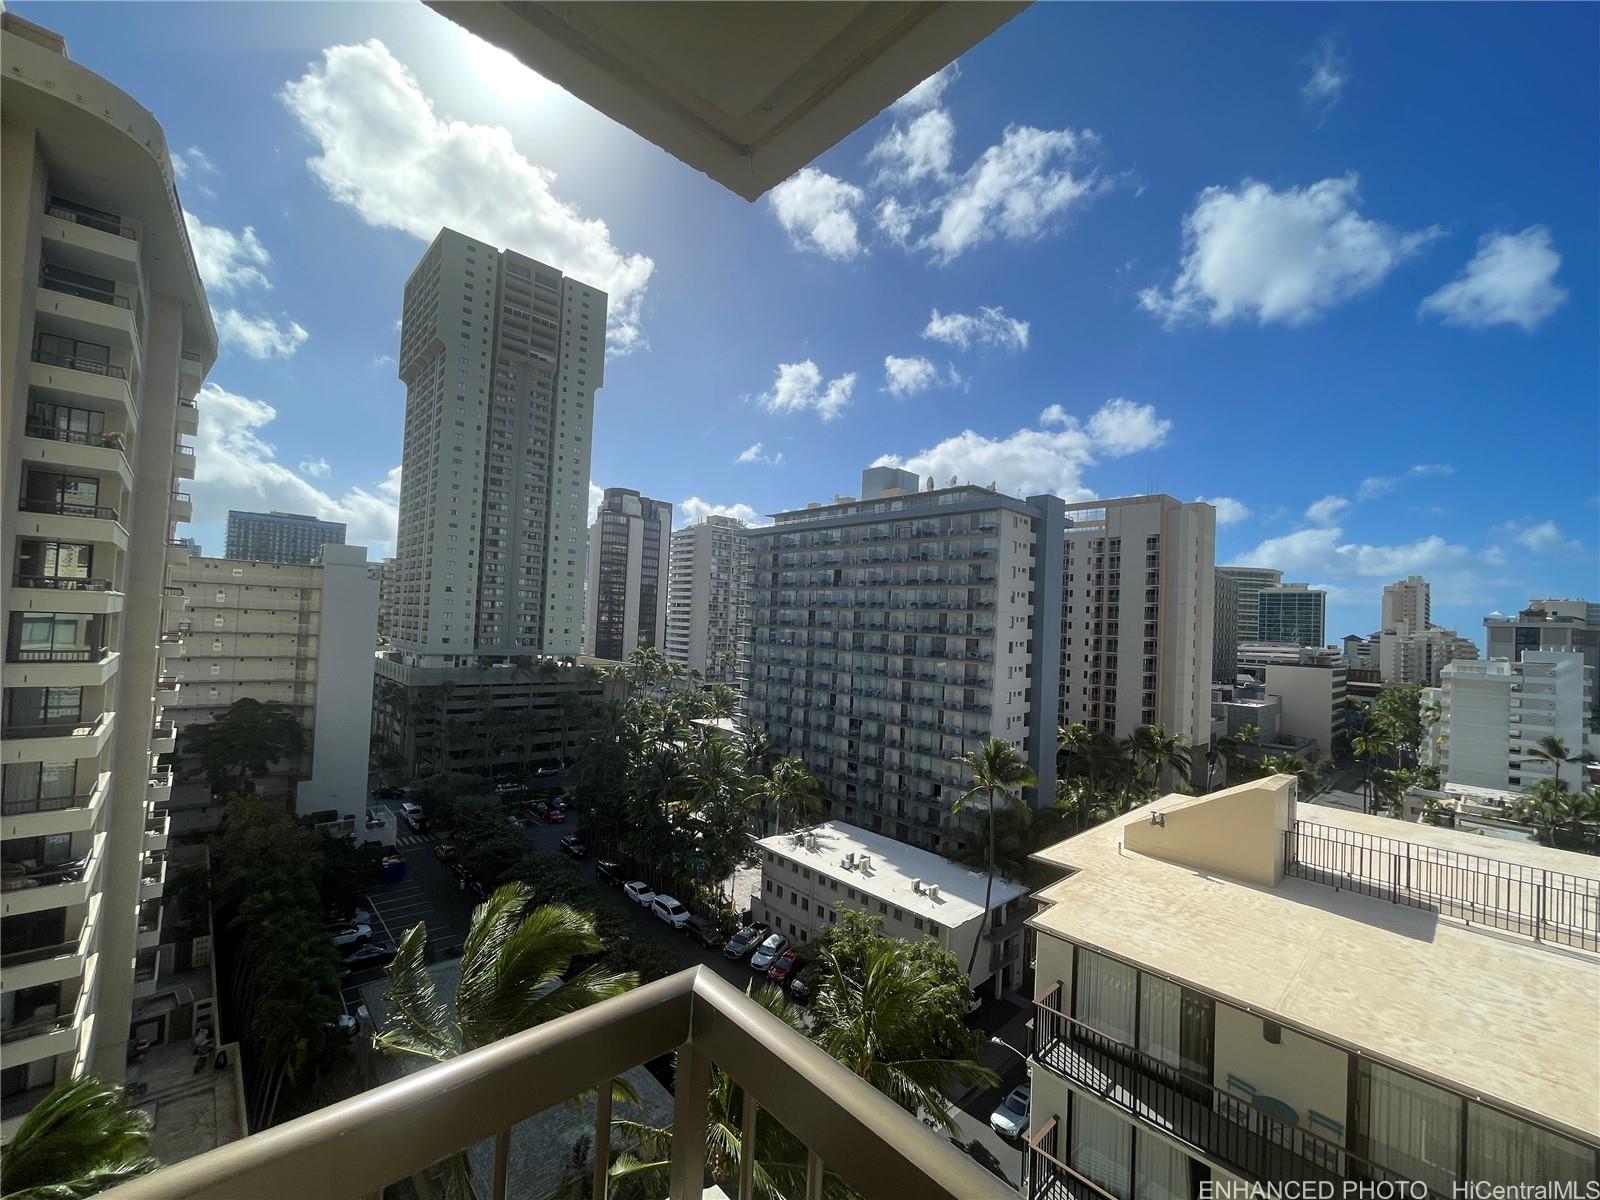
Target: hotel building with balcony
[(1229, 989), (105, 340), (708, 600)]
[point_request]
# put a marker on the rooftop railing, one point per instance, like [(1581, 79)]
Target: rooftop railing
[(357, 1147), (1549, 906)]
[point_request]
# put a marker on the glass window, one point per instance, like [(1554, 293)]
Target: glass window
[(1160, 1169), (1103, 995), (1409, 1126), (1505, 1150), (1176, 1026), (1101, 1146)]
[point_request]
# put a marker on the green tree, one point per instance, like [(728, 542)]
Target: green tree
[(996, 770), (1399, 710), (788, 795), (515, 966), (1370, 744), (82, 1138), (1552, 750), (1018, 837), (240, 746), (1151, 750)]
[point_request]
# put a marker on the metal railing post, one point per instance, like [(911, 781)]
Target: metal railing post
[(602, 1139), (502, 1163), (747, 1147), (692, 1087), (813, 1175)]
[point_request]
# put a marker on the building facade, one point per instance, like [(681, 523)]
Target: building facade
[(1292, 614), (708, 600), (279, 537), (625, 602), (387, 575), (501, 356), (1164, 1063), (1493, 714), (1551, 625), (1138, 616), (1250, 581), (294, 634), (1407, 602), (1225, 626), (892, 634), (107, 337), (1311, 683), (810, 876), (1403, 657)]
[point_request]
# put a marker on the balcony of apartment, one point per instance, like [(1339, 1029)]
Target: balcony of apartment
[(151, 914), (168, 686), (191, 369), (170, 645), (69, 370), (174, 600), (1217, 1127), (153, 875), (87, 305), (181, 507), (88, 239), (147, 977), (41, 816), (98, 452), (177, 552), (40, 1028), (64, 518), (58, 650), (157, 826), (188, 414), (163, 737), (59, 740), (28, 886), (49, 952), (359, 1146), (183, 461)]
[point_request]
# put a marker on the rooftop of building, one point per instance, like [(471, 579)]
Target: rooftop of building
[(896, 872), (880, 508), (1488, 1011)]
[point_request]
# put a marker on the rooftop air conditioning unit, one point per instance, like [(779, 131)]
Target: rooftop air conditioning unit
[(850, 861), (866, 862), (916, 886), (932, 891)]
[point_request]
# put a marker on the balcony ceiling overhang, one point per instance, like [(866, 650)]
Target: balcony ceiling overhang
[(746, 93)]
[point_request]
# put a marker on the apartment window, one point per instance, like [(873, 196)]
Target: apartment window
[(1102, 1144), (1409, 1126)]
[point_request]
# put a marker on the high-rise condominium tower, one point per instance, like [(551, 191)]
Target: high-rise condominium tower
[(708, 601), (1225, 641), (501, 356), (279, 537), (106, 339), (1292, 614), (626, 600), (1251, 580), (1406, 603)]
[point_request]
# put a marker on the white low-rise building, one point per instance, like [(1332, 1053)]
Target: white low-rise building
[(1493, 714), (809, 876)]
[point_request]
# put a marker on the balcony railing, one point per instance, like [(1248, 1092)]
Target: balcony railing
[(86, 293), (33, 954), (1217, 1124), (75, 437), (66, 508), (357, 1147), (58, 654), (182, 497), (75, 728), (92, 366), (104, 222), (1550, 906), (61, 583), (1051, 1179), (39, 804)]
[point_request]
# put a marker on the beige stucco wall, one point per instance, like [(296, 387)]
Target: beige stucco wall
[(1305, 1074), (1237, 832)]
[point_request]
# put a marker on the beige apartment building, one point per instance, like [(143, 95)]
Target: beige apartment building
[(708, 600), (1233, 988), (105, 337), (300, 635)]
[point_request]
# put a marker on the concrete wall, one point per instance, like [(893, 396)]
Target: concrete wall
[(343, 722), (1307, 1075), (1310, 696), (1237, 832)]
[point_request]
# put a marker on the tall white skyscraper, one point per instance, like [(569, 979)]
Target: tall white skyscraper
[(501, 356), (708, 599), (626, 598), (1406, 604), (106, 339)]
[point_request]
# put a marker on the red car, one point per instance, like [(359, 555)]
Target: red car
[(556, 816), (782, 967)]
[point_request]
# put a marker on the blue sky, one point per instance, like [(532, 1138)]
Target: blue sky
[(1333, 267)]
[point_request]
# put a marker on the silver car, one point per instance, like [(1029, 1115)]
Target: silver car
[(775, 945)]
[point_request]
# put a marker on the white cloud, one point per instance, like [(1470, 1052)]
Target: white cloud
[(1510, 281), (227, 260), (1229, 510), (1040, 460), (1054, 414), (929, 92), (191, 168), (694, 509), (237, 468), (1326, 511), (596, 496), (920, 150), (1329, 73), (755, 454), (817, 211), (1286, 256), (895, 218), (1374, 486), (1545, 537), (988, 327), (317, 468), (908, 376), (1017, 191), (799, 386), (387, 154), (258, 337)]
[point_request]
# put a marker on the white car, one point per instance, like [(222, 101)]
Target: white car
[(775, 945), (640, 893), (350, 935), (669, 910), (1010, 1120)]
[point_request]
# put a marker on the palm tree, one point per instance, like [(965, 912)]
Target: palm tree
[(1223, 749), (756, 749), (80, 1139), (1552, 750), (514, 966), (1369, 745), (867, 1022), (997, 769), (1292, 764), (788, 794), (1152, 749)]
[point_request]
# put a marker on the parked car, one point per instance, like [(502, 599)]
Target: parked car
[(350, 935), (1010, 1120), (702, 931), (669, 910), (375, 955), (388, 793), (609, 871), (742, 943), (782, 967), (556, 816), (639, 892), (416, 820), (804, 981), (538, 808), (445, 852), (767, 953), (512, 821), (573, 844)]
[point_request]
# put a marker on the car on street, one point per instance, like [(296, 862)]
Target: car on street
[(512, 821), (609, 871), (804, 983), (375, 955), (350, 935), (743, 942), (782, 967), (416, 820), (545, 772), (1010, 1120), (639, 892), (767, 953), (573, 844), (669, 910), (702, 931), (556, 816), (445, 852)]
